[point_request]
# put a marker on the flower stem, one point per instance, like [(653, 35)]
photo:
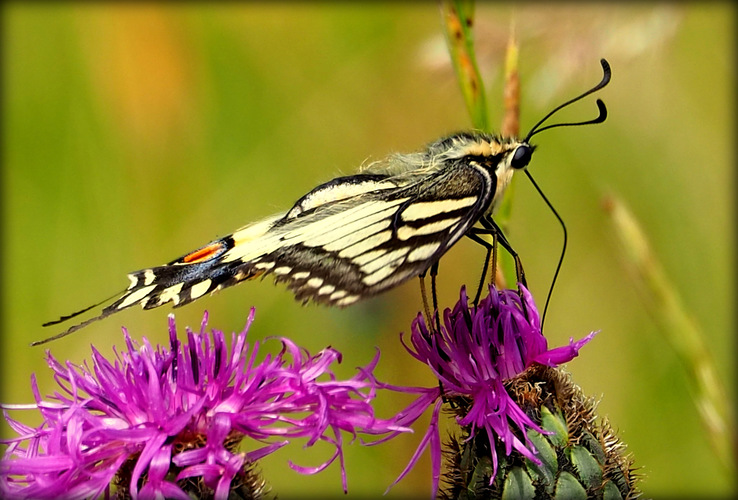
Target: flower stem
[(510, 128)]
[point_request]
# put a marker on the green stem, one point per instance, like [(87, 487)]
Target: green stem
[(680, 330), (458, 23), (510, 128), (458, 17)]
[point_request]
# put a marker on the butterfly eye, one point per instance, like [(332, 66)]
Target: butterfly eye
[(521, 156)]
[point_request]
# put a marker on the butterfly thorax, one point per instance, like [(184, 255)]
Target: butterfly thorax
[(496, 156)]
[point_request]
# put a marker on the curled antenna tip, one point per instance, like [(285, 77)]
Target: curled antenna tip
[(607, 72), (603, 111)]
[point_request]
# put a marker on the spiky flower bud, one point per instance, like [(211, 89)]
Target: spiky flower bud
[(580, 455)]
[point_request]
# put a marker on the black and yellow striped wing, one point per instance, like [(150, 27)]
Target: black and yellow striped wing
[(347, 239)]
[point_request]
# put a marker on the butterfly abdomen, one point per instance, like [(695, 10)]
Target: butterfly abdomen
[(317, 276)]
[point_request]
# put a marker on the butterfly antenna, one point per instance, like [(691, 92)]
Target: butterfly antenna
[(537, 128), (563, 247), (607, 74)]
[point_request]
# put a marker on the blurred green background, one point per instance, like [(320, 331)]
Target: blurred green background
[(135, 133)]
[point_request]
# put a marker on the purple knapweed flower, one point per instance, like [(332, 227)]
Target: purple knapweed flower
[(163, 417), (476, 351)]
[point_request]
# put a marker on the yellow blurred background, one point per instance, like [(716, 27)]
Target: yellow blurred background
[(133, 133)]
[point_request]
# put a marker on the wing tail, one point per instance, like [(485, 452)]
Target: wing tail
[(154, 287), (76, 327), (81, 311)]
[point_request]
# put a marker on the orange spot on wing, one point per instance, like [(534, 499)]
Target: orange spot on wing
[(203, 254)]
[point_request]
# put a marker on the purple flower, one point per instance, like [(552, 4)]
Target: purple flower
[(168, 416), (477, 349)]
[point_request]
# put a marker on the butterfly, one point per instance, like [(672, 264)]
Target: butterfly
[(354, 236)]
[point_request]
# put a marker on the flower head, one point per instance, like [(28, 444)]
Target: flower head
[(173, 417), (477, 349)]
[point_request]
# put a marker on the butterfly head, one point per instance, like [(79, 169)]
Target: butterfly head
[(498, 155), (488, 150), (514, 155)]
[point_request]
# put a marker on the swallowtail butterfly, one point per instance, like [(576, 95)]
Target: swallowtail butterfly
[(355, 236)]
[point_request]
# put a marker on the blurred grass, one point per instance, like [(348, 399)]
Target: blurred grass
[(134, 133), (679, 329)]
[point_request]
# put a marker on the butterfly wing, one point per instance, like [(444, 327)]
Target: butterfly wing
[(367, 245), (348, 239)]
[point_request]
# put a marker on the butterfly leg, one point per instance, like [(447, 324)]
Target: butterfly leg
[(491, 250), (491, 226), (433, 321), (424, 295), (434, 295)]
